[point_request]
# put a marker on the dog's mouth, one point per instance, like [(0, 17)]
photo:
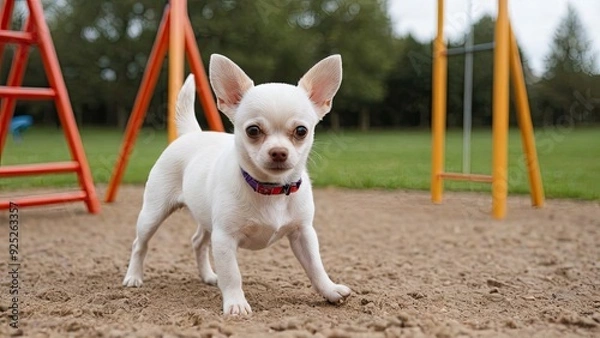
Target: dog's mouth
[(278, 167)]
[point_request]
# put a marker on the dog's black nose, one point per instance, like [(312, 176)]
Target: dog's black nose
[(278, 154)]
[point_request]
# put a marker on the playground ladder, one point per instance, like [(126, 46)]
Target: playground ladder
[(36, 32), (507, 66)]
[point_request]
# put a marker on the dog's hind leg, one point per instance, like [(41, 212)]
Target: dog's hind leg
[(200, 242), (157, 206)]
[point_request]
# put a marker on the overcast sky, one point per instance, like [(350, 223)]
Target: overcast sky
[(534, 21)]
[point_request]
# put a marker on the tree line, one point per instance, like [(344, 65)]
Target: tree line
[(103, 48)]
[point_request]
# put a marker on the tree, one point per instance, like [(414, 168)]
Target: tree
[(571, 48), (408, 94), (103, 47), (361, 31), (568, 75)]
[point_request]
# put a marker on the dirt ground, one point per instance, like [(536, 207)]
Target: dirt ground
[(416, 270)]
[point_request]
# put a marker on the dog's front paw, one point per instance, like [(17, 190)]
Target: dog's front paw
[(132, 281), (336, 293), (236, 307)]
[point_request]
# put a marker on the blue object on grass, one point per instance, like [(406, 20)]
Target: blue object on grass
[(19, 124)]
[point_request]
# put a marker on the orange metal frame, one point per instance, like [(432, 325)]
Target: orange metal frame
[(36, 32), (175, 33), (506, 62)]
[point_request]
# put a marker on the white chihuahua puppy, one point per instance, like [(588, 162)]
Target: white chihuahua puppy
[(248, 189)]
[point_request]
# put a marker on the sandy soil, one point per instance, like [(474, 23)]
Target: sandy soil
[(416, 270)]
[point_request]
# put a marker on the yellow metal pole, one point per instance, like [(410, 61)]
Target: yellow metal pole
[(525, 124), (500, 113), (438, 115), (176, 60)]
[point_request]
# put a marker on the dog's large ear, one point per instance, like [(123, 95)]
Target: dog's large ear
[(322, 81), (229, 82)]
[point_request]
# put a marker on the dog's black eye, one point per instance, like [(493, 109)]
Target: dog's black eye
[(253, 131), (300, 132)]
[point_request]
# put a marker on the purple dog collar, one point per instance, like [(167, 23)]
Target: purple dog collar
[(271, 188)]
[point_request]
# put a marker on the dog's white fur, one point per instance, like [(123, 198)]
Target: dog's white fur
[(201, 170)]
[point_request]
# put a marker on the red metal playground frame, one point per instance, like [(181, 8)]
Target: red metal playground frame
[(36, 32), (175, 37)]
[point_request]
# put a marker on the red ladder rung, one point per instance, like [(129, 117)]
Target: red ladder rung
[(39, 168), (28, 93), (16, 37), (35, 200)]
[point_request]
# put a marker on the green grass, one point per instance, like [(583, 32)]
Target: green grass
[(101, 145), (569, 159)]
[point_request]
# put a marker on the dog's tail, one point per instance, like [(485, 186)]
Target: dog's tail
[(185, 117)]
